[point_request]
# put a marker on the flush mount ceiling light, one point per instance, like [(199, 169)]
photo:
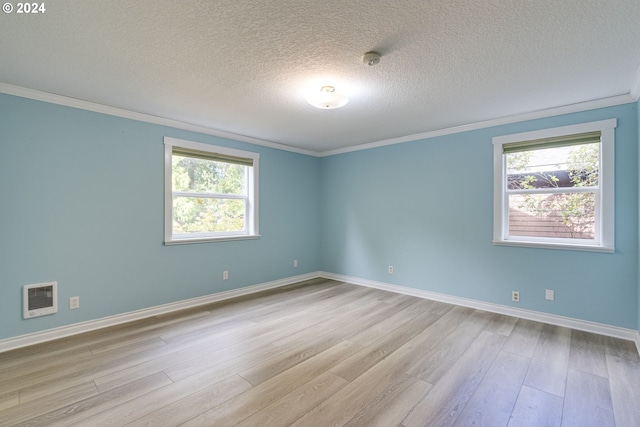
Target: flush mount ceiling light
[(327, 98)]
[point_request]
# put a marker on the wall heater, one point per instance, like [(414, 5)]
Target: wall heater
[(40, 299)]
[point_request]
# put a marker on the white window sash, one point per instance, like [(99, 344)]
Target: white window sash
[(604, 192), (251, 197), (555, 190), (210, 195)]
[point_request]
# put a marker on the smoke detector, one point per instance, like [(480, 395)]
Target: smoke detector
[(371, 58)]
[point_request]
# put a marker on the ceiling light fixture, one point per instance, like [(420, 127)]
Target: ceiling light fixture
[(327, 98)]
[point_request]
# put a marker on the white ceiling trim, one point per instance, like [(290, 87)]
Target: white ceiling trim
[(141, 117), (635, 85), (8, 89), (557, 111)]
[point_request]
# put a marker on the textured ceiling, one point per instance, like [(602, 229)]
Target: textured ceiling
[(246, 67)]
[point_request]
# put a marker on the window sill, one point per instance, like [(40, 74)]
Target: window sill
[(210, 239), (561, 246)]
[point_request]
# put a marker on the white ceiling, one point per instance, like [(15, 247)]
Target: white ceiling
[(245, 67)]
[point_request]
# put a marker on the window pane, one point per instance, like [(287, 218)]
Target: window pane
[(206, 215), (195, 175), (569, 166), (563, 215)]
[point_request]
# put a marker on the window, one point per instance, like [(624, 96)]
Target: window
[(211, 193), (555, 188)]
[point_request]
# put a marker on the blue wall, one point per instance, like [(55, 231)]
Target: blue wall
[(426, 207), (81, 202)]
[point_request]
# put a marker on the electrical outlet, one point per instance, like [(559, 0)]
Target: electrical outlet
[(515, 296), (549, 294), (74, 302), (391, 269), (225, 275), (295, 263)]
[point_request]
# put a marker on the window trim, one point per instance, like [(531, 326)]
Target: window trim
[(252, 222), (605, 221)]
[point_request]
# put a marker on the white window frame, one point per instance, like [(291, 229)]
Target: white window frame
[(251, 217), (605, 192)]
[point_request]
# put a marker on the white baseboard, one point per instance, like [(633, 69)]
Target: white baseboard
[(78, 328), (92, 325), (583, 325)]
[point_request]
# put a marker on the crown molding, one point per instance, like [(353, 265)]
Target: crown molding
[(635, 86), (556, 111), (141, 117), (23, 92)]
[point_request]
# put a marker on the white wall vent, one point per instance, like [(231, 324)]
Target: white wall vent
[(40, 299)]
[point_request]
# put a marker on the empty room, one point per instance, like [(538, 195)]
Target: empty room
[(320, 213)]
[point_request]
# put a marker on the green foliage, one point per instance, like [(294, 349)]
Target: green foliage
[(195, 175), (207, 208), (583, 165)]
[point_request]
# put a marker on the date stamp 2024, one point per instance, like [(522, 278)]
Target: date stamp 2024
[(24, 8)]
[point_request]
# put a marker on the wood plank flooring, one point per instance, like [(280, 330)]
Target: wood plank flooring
[(325, 353)]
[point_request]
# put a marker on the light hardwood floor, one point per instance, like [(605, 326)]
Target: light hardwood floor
[(325, 353)]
